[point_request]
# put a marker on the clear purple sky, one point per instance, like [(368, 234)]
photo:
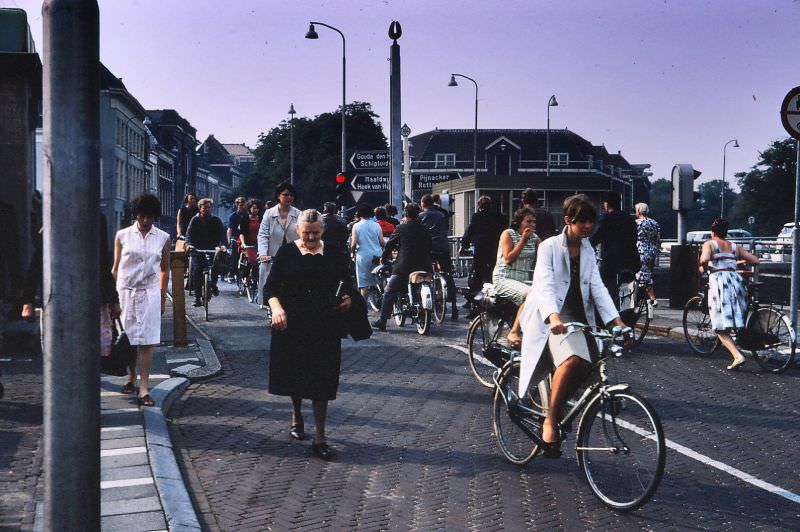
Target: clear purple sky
[(665, 81)]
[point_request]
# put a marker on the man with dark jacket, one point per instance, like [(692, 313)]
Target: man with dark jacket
[(205, 231), (616, 234), (413, 242), (433, 218), (335, 233), (483, 232), (545, 222)]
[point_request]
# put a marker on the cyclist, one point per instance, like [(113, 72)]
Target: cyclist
[(185, 215), (568, 288), (436, 222), (413, 242), (205, 231), (239, 213), (248, 232), (727, 296)]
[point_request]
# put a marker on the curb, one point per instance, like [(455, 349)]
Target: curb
[(211, 366), (178, 509)]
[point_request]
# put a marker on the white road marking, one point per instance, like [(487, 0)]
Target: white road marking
[(105, 484), (118, 411), (116, 429), (123, 451), (477, 357)]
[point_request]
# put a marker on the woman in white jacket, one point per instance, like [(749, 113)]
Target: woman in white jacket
[(567, 287), (278, 226)]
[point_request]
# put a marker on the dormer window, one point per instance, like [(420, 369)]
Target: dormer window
[(559, 159), (445, 159)]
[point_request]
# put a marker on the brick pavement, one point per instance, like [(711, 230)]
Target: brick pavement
[(415, 450)]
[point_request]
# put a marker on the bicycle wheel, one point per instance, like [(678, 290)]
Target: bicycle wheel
[(374, 298), (399, 315), (779, 341), (424, 321), (621, 449), (484, 361), (697, 327), (512, 416), (206, 295), (439, 298)]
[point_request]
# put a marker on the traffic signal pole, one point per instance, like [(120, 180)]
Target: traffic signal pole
[(70, 294)]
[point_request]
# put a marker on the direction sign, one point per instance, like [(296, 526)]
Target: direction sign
[(370, 182), (426, 181), (790, 113), (376, 160)]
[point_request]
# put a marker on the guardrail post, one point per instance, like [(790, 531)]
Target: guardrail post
[(177, 264)]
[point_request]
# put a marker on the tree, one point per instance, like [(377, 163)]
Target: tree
[(708, 205), (317, 153), (661, 207), (767, 190)]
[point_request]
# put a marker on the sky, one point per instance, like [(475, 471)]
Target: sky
[(662, 81)]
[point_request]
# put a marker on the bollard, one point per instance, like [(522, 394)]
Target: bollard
[(683, 283), (177, 266)]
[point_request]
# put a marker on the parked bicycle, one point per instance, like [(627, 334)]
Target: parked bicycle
[(620, 441), (247, 276), (416, 303), (487, 346), (767, 335)]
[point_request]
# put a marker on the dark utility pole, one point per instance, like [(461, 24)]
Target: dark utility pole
[(71, 296), (396, 177)]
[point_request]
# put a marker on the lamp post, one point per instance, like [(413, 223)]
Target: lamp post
[(722, 192), (312, 34), (550, 103), (292, 112), (475, 133)]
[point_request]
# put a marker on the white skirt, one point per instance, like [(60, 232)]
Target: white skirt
[(562, 347), (141, 314)]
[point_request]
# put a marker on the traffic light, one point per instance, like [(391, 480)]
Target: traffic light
[(683, 194), (342, 188)]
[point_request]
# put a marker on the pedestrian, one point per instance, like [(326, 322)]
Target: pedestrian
[(616, 234), (391, 214), (335, 230), (238, 214), (436, 222), (568, 289), (483, 233), (278, 226), (308, 286), (184, 216), (141, 269), (382, 218), (648, 243), (516, 257), (545, 221), (205, 231), (366, 246), (412, 240), (727, 295)]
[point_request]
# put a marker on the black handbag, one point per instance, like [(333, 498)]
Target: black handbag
[(122, 353)]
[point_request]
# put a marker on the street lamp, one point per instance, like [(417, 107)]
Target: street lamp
[(722, 192), (475, 133), (312, 34), (292, 112), (550, 103)]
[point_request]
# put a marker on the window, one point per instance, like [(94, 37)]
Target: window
[(445, 159), (559, 159)]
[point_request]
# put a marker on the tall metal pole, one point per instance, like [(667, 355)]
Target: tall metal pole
[(71, 265), (291, 143), (722, 192), (795, 297), (312, 34), (475, 131), (396, 177)]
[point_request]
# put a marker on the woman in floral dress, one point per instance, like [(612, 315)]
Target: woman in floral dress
[(648, 242)]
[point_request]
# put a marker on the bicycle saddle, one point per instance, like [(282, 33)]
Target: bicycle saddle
[(420, 277)]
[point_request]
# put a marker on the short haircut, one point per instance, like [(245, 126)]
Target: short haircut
[(329, 207), (529, 196), (380, 213), (720, 227), (241, 199), (146, 205), (436, 198), (614, 199), (309, 216), (205, 201), (642, 208), (412, 211), (282, 187), (484, 203), (256, 202), (391, 210), (579, 208), (186, 197), (364, 211), (427, 200), (520, 215)]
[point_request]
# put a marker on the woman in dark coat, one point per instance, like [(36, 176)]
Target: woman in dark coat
[(305, 354)]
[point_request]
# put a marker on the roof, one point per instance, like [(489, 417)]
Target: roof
[(238, 150)]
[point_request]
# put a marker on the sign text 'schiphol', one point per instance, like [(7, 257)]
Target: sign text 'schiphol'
[(370, 160)]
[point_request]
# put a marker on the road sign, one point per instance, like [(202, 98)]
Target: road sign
[(426, 181), (370, 182), (790, 113), (371, 160), (356, 195)]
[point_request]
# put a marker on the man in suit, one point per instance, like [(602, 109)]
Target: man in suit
[(483, 233), (413, 242), (545, 222), (616, 234)]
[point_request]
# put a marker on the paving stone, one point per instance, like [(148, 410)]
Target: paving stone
[(120, 443), (118, 473), (130, 506), (138, 522)]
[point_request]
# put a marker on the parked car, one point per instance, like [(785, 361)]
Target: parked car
[(785, 236), (698, 237)]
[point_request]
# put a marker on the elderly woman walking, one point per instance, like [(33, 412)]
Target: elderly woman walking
[(647, 243), (141, 268), (307, 288)]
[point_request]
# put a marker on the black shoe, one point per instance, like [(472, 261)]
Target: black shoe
[(380, 325), (321, 450), (297, 431), (214, 290)]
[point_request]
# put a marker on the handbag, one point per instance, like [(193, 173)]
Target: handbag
[(122, 353)]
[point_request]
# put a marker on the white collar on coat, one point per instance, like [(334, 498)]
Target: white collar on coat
[(587, 252), (294, 212)]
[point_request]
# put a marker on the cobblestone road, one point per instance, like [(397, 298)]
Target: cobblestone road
[(411, 429)]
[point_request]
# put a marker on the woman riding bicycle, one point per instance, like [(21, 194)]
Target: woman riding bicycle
[(248, 229), (727, 296), (568, 289)]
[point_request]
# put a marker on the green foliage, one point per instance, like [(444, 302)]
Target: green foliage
[(699, 217), (767, 190), (317, 153), (661, 207)]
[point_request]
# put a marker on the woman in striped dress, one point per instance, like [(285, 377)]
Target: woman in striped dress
[(516, 257)]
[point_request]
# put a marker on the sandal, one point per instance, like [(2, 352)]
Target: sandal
[(145, 400), (127, 388)]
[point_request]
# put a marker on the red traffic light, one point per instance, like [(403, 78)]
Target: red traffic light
[(340, 178)]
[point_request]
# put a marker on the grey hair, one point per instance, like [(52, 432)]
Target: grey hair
[(642, 208), (309, 216)]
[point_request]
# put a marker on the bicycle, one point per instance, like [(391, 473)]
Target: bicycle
[(375, 293), (487, 346), (620, 441), (635, 308), (208, 267), (767, 335), (440, 292), (415, 303), (247, 276)]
